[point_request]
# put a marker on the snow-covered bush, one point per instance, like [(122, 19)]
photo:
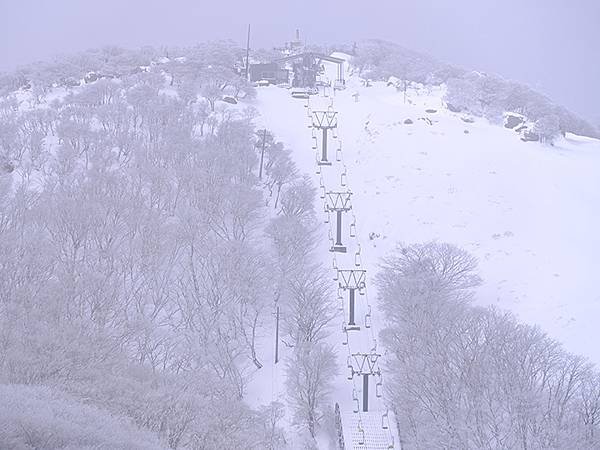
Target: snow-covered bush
[(43, 418)]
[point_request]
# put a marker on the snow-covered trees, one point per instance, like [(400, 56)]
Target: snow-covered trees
[(303, 293), (467, 377), (133, 269), (479, 93), (547, 127), (310, 372), (380, 60), (38, 417), (308, 310), (490, 96)]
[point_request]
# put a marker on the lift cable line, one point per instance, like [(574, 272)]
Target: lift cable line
[(355, 235), (360, 429), (370, 429)]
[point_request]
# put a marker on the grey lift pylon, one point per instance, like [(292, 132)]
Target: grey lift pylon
[(325, 121), (338, 202), (352, 281), (366, 366)]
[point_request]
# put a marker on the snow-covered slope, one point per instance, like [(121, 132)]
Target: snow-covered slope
[(530, 212), (418, 172)]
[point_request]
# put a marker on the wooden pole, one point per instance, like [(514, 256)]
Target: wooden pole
[(262, 154), (277, 335), (248, 53)]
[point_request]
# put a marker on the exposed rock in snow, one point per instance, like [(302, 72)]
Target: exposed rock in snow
[(512, 120), (453, 108), (530, 136), (394, 81)]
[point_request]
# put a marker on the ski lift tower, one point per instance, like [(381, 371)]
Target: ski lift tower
[(352, 281), (338, 202), (365, 365), (326, 121)]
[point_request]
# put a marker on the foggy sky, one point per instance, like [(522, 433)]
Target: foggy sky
[(551, 45)]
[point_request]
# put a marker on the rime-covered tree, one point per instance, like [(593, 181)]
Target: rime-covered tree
[(309, 381), (469, 377)]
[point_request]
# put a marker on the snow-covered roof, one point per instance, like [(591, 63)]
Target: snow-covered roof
[(341, 55)]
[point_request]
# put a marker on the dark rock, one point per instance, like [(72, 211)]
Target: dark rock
[(530, 136), (229, 99), (467, 119), (408, 122), (520, 128), (7, 167), (431, 111), (453, 108), (466, 131), (513, 121), (70, 82), (91, 77)]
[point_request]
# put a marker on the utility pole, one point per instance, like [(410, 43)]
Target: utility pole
[(338, 202), (262, 154), (277, 335), (325, 121), (351, 281), (248, 54), (366, 364)]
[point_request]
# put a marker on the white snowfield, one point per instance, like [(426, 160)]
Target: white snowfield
[(529, 212)]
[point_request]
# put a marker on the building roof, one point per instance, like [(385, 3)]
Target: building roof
[(321, 56), (270, 65)]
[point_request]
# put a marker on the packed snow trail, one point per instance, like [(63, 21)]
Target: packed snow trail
[(367, 424), (366, 420), (525, 210)]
